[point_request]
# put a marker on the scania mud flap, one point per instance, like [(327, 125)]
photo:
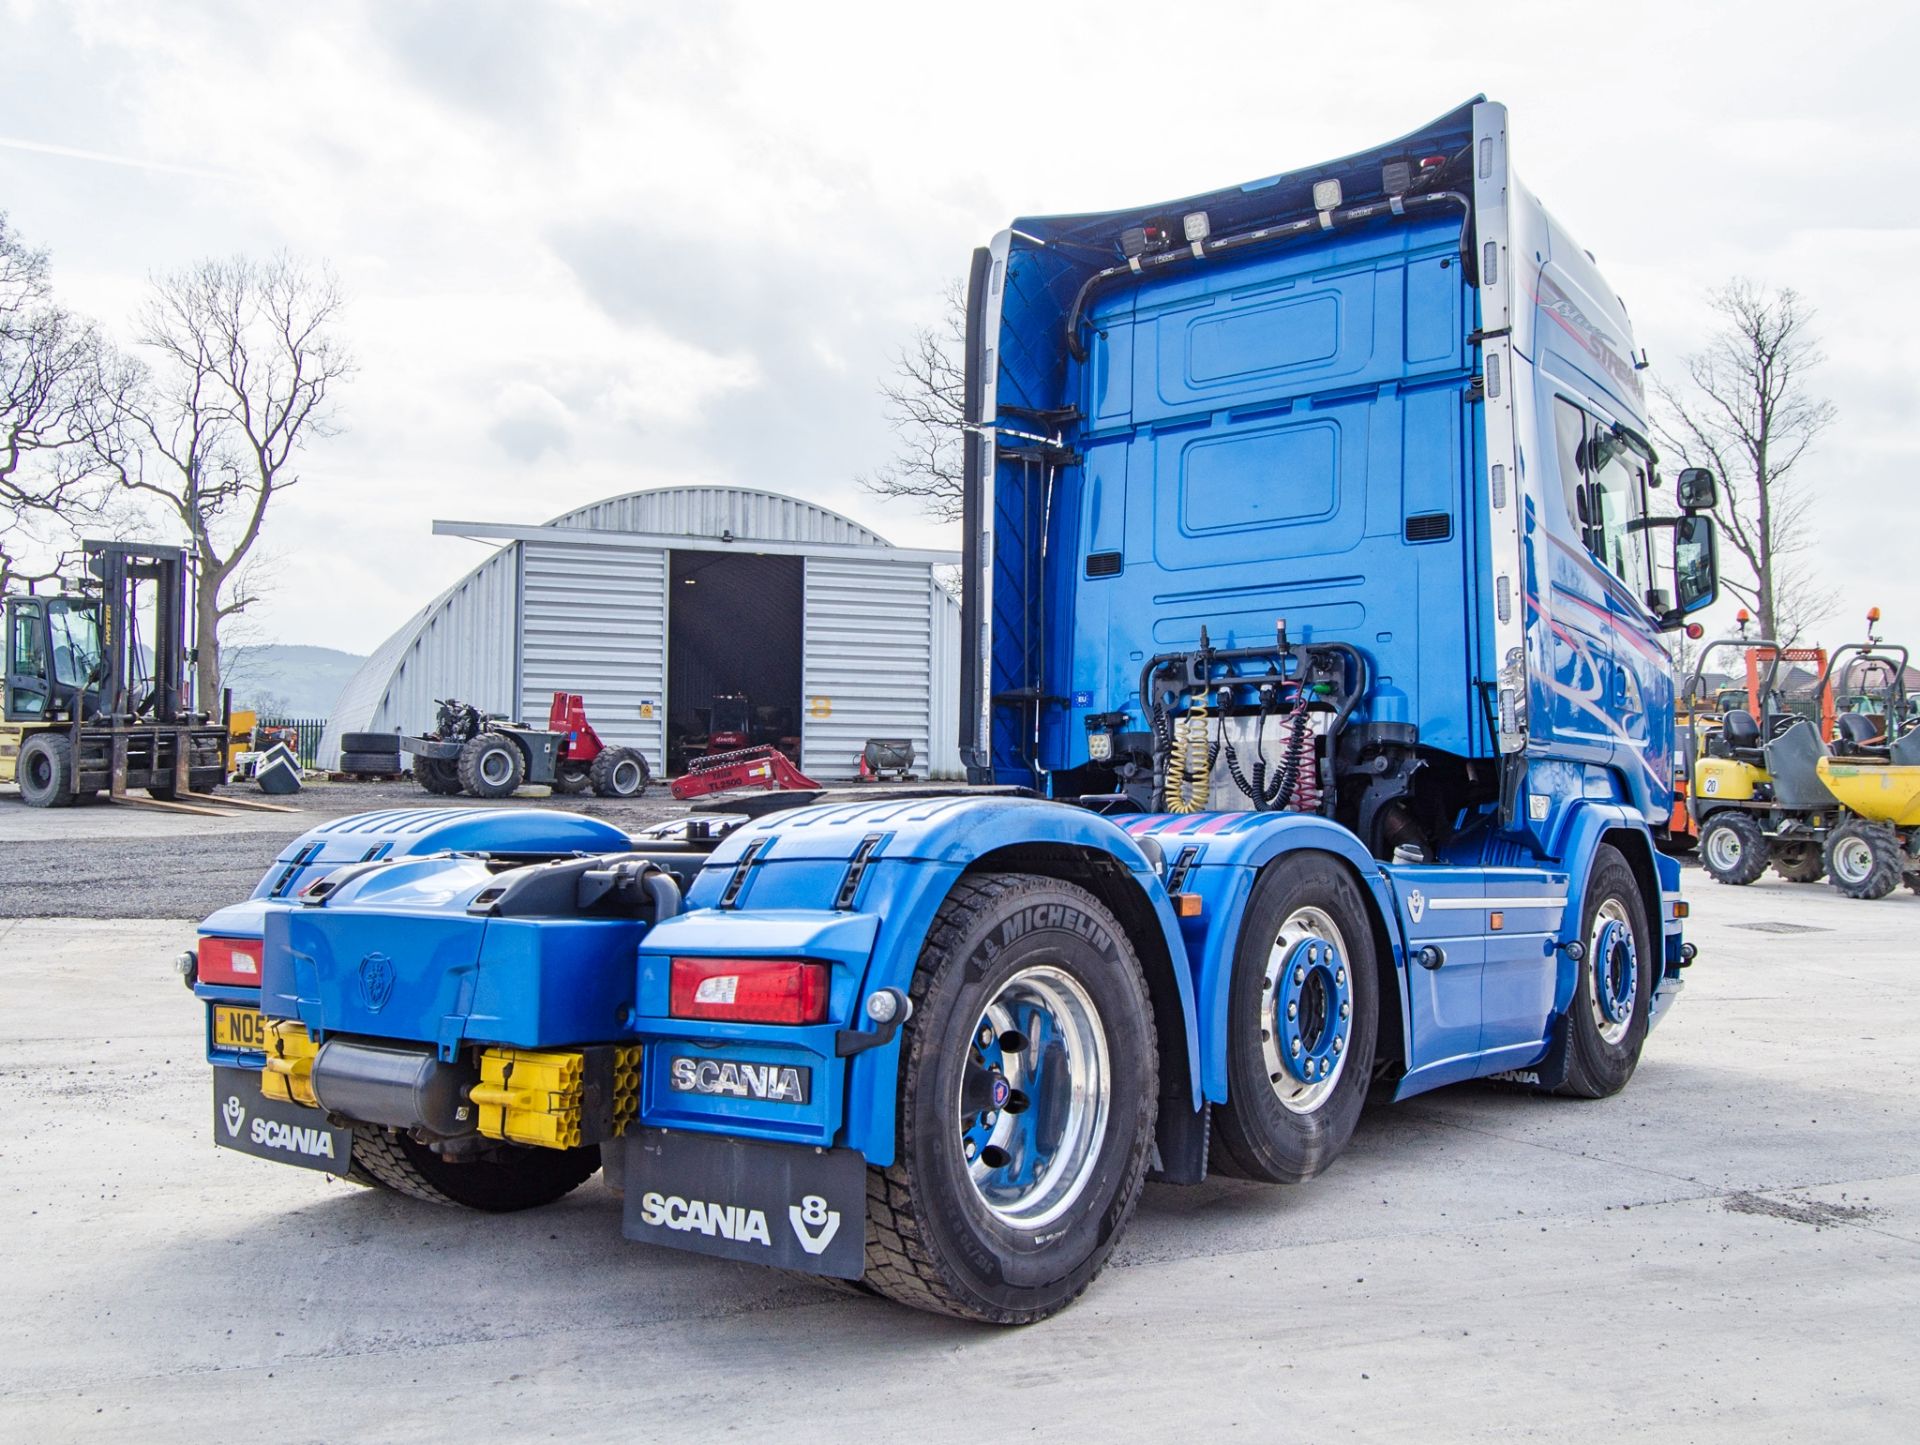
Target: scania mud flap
[(787, 1205), (244, 1118)]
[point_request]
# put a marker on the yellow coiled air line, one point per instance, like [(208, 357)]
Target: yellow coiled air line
[(1190, 760)]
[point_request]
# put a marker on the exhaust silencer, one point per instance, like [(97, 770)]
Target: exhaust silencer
[(403, 1087)]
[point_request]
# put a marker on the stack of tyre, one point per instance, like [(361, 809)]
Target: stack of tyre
[(370, 755)]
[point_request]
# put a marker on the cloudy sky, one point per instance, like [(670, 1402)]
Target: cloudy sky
[(595, 247)]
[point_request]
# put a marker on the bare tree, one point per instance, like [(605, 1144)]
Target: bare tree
[(926, 403), (238, 363), (48, 369), (1748, 415)]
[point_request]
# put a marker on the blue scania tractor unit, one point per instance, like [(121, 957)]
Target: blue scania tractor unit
[(1316, 714)]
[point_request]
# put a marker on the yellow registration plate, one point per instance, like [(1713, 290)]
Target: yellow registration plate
[(239, 1028)]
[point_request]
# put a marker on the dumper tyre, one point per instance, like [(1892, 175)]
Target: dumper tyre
[(383, 763), (45, 771), (509, 1178), (385, 743), (1733, 848), (1798, 862), (1304, 1000), (620, 773), (439, 776), (492, 766), (1864, 860), (1028, 1086), (572, 777), (1607, 1017)]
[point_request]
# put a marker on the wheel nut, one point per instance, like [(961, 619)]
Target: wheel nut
[(1293, 1010), (1341, 978), (1345, 1009), (1336, 1046), (1296, 1046), (1299, 974), (972, 1148)]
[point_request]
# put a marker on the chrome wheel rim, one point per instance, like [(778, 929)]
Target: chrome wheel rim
[(495, 767), (1033, 1097), (1724, 850), (1852, 859), (1613, 973), (1326, 1034)]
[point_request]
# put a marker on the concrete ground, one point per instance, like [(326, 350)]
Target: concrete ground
[(1730, 1250), (125, 860)]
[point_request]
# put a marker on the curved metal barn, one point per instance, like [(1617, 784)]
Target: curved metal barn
[(651, 602)]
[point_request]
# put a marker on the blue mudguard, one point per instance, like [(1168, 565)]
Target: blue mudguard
[(1223, 854), (774, 886)]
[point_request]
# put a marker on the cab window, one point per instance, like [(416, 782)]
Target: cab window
[(1605, 479), (76, 643), (28, 659)]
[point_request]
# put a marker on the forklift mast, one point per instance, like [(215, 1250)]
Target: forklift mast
[(128, 688)]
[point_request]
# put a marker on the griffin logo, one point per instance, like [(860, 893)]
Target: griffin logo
[(376, 981)]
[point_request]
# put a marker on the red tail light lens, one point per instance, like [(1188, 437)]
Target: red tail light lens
[(230, 960), (750, 990)]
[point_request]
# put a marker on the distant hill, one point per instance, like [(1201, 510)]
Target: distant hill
[(289, 681)]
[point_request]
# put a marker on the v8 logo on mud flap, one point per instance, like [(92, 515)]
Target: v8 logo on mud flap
[(233, 1114), (813, 1223)]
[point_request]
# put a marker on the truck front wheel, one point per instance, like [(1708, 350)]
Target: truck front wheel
[(1301, 1024), (1607, 1018), (1028, 1087), (508, 1178)]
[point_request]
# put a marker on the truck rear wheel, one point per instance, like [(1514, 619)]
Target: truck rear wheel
[(1864, 860), (1027, 1093), (1607, 1019), (1732, 847), (45, 771), (492, 766), (509, 1178), (619, 773), (1302, 1016)]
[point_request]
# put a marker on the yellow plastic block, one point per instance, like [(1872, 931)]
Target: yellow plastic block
[(290, 1054), (557, 1099)]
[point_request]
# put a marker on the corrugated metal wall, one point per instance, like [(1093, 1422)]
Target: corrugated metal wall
[(881, 638), (593, 620), (713, 511), (868, 643), (462, 644)]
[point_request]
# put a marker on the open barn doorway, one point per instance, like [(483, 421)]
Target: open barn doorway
[(734, 630)]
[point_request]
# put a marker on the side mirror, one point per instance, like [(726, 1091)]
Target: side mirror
[(1696, 567), (1696, 490)]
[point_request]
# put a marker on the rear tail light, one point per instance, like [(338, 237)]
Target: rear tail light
[(750, 990), (230, 960)]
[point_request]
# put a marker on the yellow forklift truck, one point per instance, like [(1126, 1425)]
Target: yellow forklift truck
[(1767, 789), (90, 706)]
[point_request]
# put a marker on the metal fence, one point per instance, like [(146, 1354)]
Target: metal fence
[(307, 728)]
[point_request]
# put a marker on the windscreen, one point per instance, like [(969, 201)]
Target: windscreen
[(75, 629)]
